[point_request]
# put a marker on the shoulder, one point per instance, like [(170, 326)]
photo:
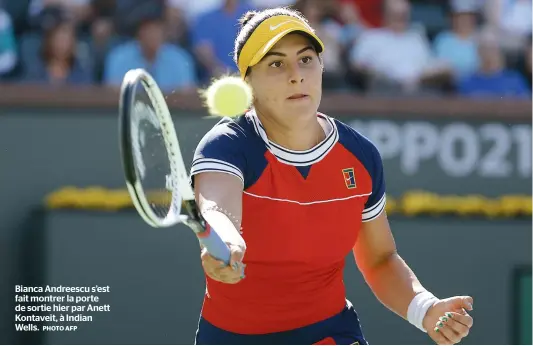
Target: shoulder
[(368, 155), (375, 33), (229, 147), (228, 132), (5, 20), (513, 75), (174, 51), (206, 17), (355, 142), (123, 50), (443, 37), (230, 139), (372, 36)]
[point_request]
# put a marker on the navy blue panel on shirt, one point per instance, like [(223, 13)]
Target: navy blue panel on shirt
[(232, 147), (367, 153), (304, 170)]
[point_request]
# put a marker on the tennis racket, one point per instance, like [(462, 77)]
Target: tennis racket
[(155, 174)]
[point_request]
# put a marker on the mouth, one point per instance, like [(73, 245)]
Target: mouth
[(298, 97)]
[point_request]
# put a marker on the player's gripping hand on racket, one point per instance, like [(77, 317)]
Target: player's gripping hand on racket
[(219, 271), (219, 197)]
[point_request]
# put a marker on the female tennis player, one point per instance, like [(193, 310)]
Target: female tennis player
[(303, 190)]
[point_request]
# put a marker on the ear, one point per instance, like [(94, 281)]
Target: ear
[(321, 62)]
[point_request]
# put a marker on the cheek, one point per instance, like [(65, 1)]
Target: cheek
[(315, 80), (267, 91)]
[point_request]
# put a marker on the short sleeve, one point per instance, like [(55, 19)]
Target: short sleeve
[(116, 65), (220, 150), (201, 32), (375, 204)]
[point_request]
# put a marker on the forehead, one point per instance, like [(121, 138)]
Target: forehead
[(292, 41)]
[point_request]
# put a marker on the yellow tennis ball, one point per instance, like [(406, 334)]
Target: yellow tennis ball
[(228, 96)]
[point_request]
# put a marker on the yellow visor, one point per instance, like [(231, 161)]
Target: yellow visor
[(267, 34)]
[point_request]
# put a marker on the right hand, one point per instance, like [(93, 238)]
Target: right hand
[(219, 271)]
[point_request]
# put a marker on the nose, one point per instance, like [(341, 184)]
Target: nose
[(295, 76), (296, 81)]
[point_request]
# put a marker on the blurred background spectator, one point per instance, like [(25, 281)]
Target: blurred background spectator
[(369, 13), (57, 61), (214, 35), (170, 65), (417, 47), (8, 49), (457, 45), (493, 79), (397, 57)]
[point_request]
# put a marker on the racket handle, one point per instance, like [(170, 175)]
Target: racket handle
[(214, 245), (209, 239)]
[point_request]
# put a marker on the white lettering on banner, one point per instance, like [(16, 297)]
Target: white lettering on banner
[(386, 137), (522, 136), (496, 163), (420, 142), (464, 137), (459, 149)]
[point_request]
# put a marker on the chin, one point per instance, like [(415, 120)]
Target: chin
[(308, 109)]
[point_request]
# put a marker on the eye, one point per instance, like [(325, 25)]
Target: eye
[(307, 60), (276, 64)]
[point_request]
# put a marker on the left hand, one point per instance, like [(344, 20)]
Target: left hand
[(447, 321)]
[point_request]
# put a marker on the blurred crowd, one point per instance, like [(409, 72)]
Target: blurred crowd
[(472, 48)]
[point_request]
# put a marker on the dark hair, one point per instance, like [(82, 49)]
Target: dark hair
[(252, 19), (47, 52)]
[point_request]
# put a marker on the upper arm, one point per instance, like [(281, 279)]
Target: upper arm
[(375, 241), (217, 171)]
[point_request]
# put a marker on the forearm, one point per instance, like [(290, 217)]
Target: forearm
[(393, 283), (224, 222)]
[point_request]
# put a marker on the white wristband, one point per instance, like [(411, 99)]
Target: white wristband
[(418, 307)]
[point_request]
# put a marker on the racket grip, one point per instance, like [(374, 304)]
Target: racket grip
[(216, 247)]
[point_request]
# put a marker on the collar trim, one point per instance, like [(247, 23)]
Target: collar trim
[(296, 157)]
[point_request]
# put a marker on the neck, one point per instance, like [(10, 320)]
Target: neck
[(58, 61), (304, 136), (230, 6), (149, 55), (464, 34), (488, 70)]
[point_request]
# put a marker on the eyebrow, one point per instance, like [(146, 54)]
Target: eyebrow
[(271, 53)]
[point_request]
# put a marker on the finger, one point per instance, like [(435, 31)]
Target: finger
[(468, 303), (226, 274), (447, 332), (210, 261), (438, 337), (464, 319), (460, 329), (237, 255)]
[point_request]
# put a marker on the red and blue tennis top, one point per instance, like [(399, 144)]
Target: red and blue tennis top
[(302, 211)]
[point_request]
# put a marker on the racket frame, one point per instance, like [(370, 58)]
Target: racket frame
[(181, 190)]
